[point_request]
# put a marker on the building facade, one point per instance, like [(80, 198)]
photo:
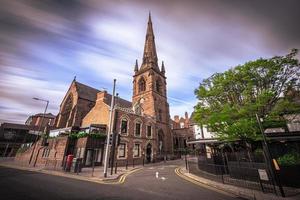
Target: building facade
[(143, 125)]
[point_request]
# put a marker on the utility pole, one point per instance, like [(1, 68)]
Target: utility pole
[(39, 129), (110, 128)]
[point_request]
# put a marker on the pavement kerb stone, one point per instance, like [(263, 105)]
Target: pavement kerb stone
[(191, 179), (120, 179), (229, 189)]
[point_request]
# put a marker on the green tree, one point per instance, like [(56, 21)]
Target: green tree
[(229, 101)]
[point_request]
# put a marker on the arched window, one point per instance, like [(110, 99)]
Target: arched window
[(158, 86), (160, 115), (124, 126), (142, 85)]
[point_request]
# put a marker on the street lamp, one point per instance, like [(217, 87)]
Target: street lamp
[(40, 126)]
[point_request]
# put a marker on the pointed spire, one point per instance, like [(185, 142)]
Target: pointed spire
[(163, 70), (136, 67), (150, 56), (74, 79)]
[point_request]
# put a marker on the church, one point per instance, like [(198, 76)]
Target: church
[(143, 125)]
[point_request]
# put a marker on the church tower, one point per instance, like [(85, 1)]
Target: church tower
[(150, 92)]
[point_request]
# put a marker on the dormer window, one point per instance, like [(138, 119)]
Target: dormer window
[(142, 85)]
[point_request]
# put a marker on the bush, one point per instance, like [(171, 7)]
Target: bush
[(84, 134), (289, 159)]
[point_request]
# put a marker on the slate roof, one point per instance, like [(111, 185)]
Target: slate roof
[(89, 93), (86, 92)]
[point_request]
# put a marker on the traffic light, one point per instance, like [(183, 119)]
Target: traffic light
[(110, 139)]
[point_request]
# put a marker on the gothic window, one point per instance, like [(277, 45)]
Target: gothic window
[(136, 150), (122, 150), (124, 126), (160, 115), (137, 129), (149, 131), (158, 86), (142, 85)]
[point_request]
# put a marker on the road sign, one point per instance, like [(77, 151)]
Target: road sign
[(263, 174)]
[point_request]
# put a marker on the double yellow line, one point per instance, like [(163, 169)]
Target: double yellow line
[(122, 178), (196, 182)]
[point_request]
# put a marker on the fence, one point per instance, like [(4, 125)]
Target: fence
[(234, 169)]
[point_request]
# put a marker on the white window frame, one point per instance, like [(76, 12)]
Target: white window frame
[(149, 125), (141, 125), (124, 119), (138, 150), (125, 151)]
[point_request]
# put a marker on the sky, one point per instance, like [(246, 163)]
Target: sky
[(45, 43)]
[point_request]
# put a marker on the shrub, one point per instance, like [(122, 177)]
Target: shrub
[(289, 159)]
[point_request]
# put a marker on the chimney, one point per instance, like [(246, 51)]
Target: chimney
[(176, 118), (101, 96), (186, 115)]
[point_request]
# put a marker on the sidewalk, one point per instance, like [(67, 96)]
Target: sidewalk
[(87, 174), (231, 189)]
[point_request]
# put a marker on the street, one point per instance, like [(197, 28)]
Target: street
[(156, 182)]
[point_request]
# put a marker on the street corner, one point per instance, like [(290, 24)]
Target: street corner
[(180, 171)]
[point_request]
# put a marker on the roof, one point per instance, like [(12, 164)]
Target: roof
[(47, 115), (118, 101), (86, 92), (17, 126), (89, 93)]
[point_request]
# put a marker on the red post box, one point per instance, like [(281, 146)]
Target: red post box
[(69, 162)]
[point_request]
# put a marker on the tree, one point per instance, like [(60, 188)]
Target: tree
[(229, 101)]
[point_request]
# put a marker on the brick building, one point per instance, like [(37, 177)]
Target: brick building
[(143, 124), (41, 120)]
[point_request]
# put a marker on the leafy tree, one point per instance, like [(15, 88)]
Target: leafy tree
[(229, 101)]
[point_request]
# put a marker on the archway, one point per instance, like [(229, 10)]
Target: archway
[(149, 153)]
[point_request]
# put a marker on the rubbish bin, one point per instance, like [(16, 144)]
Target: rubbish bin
[(76, 165)]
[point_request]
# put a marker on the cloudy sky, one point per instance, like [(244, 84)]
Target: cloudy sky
[(45, 43)]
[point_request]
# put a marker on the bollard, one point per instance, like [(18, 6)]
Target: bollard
[(133, 163), (116, 167), (144, 162), (126, 164), (93, 165)]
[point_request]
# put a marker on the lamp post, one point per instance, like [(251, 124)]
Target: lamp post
[(110, 129), (40, 126)]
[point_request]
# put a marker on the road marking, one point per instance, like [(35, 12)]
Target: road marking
[(196, 182), (163, 178), (156, 174)]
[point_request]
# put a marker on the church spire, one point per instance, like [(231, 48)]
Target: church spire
[(150, 56), (136, 67), (163, 70)]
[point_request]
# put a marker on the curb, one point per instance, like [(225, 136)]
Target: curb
[(210, 186), (120, 179)]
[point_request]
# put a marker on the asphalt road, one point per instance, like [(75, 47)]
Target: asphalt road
[(142, 185)]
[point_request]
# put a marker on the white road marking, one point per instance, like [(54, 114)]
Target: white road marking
[(156, 174), (163, 178)]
